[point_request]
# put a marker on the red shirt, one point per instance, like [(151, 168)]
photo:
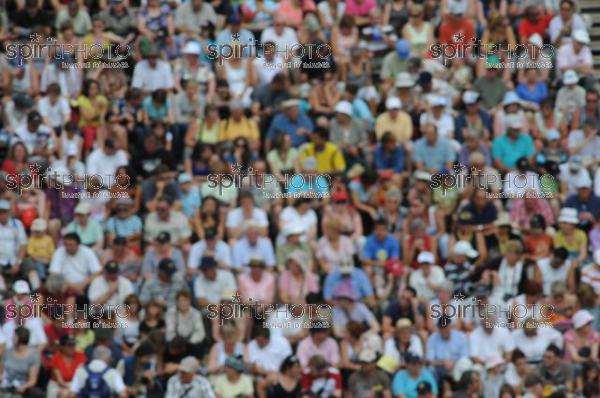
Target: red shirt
[(457, 35), (528, 28), (67, 370), (325, 386)]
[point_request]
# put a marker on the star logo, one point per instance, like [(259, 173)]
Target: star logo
[(236, 298), (35, 37), (459, 296), (235, 36), (35, 297), (236, 168), (458, 168), (35, 168), (459, 37)]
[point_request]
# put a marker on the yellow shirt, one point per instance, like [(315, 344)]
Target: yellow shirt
[(230, 129), (329, 160), (85, 103), (40, 247), (401, 127), (580, 238)]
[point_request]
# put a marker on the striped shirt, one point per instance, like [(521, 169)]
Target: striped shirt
[(590, 274)]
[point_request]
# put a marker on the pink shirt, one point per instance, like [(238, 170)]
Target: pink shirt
[(571, 340), (331, 256), (295, 288), (328, 349), (359, 9), (263, 290), (566, 56), (293, 16)]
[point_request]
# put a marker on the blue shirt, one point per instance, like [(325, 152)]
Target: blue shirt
[(384, 161), (359, 280), (389, 247), (300, 183), (591, 206), (282, 124), (460, 123), (404, 384), (154, 113), (509, 151), (361, 111), (539, 92), (433, 156), (191, 201), (455, 348)]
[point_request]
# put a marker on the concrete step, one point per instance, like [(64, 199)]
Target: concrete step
[(585, 5)]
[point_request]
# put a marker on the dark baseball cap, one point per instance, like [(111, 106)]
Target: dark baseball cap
[(207, 262), (167, 266), (234, 19), (66, 340), (163, 237), (410, 357), (34, 117), (111, 267)]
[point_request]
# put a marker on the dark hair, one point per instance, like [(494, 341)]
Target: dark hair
[(87, 83), (517, 354), (72, 236), (259, 331), (553, 348), (347, 21), (379, 222), (53, 88), (184, 293), (22, 334), (507, 389), (466, 380), (159, 95), (145, 348)]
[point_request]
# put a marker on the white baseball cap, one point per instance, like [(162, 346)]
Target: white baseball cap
[(344, 107), (425, 258), (21, 287), (570, 77), (536, 40), (191, 48), (582, 318), (470, 97), (583, 181), (39, 224), (494, 360), (464, 248), (83, 208), (393, 103), (568, 215), (404, 80), (581, 36)]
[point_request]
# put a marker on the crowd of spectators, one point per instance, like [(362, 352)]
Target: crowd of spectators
[(402, 195)]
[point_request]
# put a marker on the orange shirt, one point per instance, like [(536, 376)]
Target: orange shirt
[(67, 370)]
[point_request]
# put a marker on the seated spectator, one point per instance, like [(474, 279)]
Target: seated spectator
[(321, 377), (212, 283), (188, 380), (406, 381)]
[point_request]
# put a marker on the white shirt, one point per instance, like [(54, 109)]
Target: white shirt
[(243, 252), (423, 284), (235, 218), (100, 287), (290, 215), (415, 346), (272, 355), (12, 237), (551, 274), (509, 278), (151, 79), (75, 268), (566, 176), (282, 322), (534, 347), (266, 70), (57, 114), (516, 184), (34, 140), (484, 345), (556, 25), (37, 336), (213, 290), (112, 377), (286, 43), (222, 253), (98, 162)]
